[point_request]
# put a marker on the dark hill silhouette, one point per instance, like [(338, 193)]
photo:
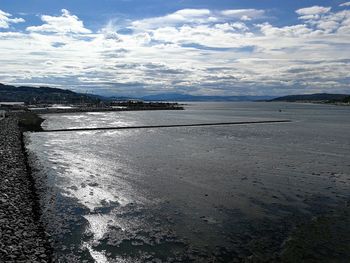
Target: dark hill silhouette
[(324, 97), (43, 95)]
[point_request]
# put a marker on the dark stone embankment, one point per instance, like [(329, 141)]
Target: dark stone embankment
[(22, 238)]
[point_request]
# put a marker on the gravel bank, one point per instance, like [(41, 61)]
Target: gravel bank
[(21, 237)]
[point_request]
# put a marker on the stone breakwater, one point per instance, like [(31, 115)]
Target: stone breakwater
[(22, 239)]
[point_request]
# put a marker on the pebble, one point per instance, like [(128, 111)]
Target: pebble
[(22, 236)]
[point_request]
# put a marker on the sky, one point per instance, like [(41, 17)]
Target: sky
[(198, 47)]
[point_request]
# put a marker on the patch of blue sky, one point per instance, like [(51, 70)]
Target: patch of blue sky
[(246, 49)]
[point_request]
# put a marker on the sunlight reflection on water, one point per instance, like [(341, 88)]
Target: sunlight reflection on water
[(189, 192)]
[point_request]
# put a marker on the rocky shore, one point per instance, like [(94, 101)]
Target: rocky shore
[(22, 238)]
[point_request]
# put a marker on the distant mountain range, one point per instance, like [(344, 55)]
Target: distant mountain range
[(186, 97), (43, 95), (318, 97), (53, 95)]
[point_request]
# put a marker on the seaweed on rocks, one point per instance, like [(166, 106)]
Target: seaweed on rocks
[(29, 121)]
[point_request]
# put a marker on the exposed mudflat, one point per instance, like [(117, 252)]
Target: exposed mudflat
[(243, 193), (21, 237)]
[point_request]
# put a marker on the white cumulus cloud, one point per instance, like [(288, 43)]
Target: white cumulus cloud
[(6, 19), (178, 17), (244, 14), (197, 16), (193, 12), (197, 51), (313, 10), (66, 23)]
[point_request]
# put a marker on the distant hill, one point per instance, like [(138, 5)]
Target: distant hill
[(318, 97), (186, 97), (43, 95), (121, 98)]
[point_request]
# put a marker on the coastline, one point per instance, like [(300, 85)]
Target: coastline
[(22, 236), (131, 107), (315, 102), (305, 238)]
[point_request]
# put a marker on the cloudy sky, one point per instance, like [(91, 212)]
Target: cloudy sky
[(200, 47)]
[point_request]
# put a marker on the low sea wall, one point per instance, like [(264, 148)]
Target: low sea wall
[(22, 238)]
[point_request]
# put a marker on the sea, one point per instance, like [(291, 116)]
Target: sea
[(223, 193)]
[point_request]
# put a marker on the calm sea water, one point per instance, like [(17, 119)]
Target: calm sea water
[(201, 194)]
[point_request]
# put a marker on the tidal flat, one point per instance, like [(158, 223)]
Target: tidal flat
[(274, 192)]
